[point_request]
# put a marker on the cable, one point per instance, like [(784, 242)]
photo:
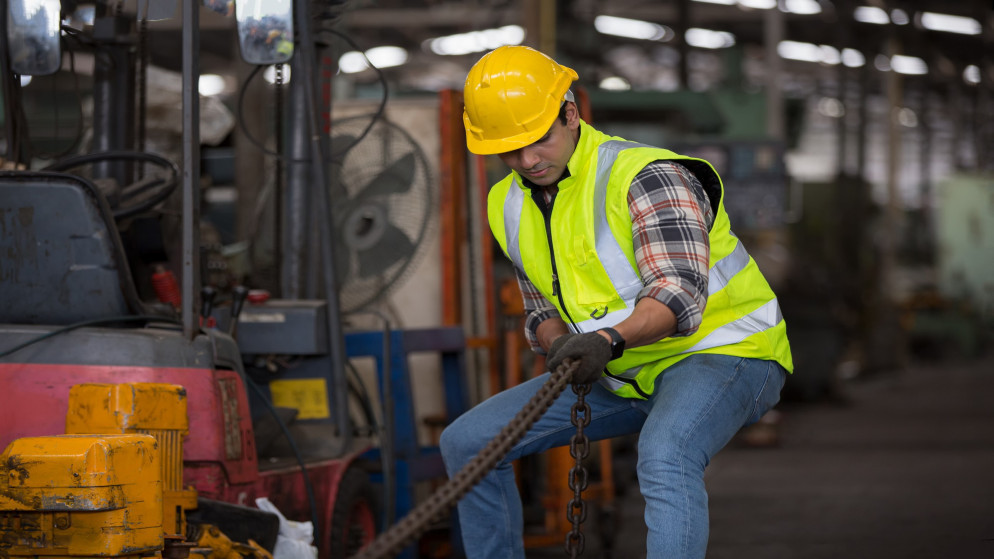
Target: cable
[(166, 185), (293, 448), (383, 81), (64, 329), (378, 114), (358, 389)]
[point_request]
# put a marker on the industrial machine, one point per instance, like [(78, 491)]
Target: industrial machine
[(131, 426)]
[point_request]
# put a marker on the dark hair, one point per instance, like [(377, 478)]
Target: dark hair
[(562, 113)]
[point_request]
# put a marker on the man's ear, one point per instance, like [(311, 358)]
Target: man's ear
[(572, 116)]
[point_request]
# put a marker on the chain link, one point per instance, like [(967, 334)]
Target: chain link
[(579, 448), (391, 542)]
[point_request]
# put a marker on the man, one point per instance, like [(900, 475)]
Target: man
[(626, 263)]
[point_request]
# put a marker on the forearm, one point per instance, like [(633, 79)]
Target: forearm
[(649, 322), (542, 321), (548, 330)]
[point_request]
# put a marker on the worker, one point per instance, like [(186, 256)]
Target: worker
[(626, 263)]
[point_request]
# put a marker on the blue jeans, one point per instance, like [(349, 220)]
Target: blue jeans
[(697, 407)]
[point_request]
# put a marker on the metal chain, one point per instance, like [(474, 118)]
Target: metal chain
[(391, 542), (579, 448)]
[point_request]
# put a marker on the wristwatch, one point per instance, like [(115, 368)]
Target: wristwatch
[(617, 343)]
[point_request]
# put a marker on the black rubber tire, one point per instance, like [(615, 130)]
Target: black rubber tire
[(354, 518)]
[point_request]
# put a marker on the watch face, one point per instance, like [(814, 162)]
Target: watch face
[(617, 349), (617, 343)]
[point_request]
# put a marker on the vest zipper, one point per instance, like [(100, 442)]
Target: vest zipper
[(546, 210)]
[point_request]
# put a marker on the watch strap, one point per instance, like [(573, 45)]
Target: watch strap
[(617, 343)]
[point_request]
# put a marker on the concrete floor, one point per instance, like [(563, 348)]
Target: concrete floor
[(900, 467)]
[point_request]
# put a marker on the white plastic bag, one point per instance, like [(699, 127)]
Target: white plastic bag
[(294, 539)]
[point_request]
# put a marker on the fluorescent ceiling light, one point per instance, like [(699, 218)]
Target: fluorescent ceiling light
[(708, 39), (352, 62), (907, 117), (853, 58), (950, 24), (380, 57), (910, 65), (870, 14), (210, 84), (793, 50), (632, 28), (808, 52), (803, 7), (830, 55), (899, 17), (758, 4), (25, 80), (387, 56), (971, 74), (476, 41), (614, 83), (831, 107)]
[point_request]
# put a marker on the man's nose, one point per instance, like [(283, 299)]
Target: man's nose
[(529, 157)]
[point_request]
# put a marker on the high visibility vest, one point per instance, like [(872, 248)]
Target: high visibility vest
[(597, 275)]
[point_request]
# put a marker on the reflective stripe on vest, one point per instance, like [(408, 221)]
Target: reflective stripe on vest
[(759, 320), (723, 270), (513, 205)]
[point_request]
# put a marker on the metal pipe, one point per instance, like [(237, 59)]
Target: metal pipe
[(773, 33), (683, 24), (319, 142), (9, 93), (113, 99), (191, 169), (296, 221), (862, 123), (892, 212)]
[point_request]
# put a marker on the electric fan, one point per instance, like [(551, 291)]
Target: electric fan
[(382, 205)]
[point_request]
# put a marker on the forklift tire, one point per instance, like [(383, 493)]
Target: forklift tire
[(353, 519)]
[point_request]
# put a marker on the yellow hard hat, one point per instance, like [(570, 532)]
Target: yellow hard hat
[(512, 97)]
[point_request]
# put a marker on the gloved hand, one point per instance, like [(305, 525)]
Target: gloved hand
[(592, 349)]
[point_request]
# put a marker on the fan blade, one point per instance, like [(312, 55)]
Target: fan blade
[(393, 246), (341, 142), (395, 179)]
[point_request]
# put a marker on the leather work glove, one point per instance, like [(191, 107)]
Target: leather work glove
[(591, 349)]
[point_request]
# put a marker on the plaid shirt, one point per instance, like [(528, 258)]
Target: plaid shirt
[(671, 216)]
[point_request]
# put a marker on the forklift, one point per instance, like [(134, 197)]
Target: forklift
[(135, 427)]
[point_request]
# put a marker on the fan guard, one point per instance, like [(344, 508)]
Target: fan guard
[(382, 206)]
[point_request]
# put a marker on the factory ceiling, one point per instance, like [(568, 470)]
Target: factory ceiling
[(872, 28)]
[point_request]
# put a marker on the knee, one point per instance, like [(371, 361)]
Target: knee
[(669, 458), (458, 444)]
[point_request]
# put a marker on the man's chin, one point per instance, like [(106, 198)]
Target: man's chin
[(544, 179)]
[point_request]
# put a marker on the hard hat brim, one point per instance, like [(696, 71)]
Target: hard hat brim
[(504, 145)]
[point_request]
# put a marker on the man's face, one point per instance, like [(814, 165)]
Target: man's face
[(544, 161)]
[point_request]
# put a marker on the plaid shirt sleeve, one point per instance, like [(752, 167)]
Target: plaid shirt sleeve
[(671, 216)]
